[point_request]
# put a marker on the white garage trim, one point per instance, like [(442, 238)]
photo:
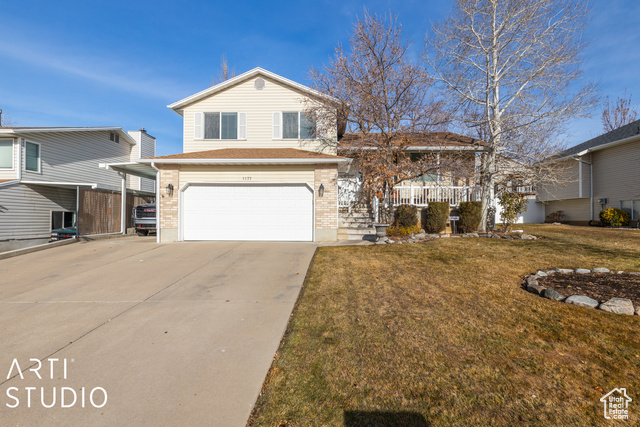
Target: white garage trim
[(181, 197)]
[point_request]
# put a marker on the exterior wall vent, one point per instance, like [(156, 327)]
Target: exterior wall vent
[(259, 83)]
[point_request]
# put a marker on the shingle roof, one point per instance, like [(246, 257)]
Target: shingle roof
[(622, 132), (250, 153), (428, 139)]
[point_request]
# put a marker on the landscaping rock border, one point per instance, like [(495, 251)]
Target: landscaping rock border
[(421, 237), (614, 305)]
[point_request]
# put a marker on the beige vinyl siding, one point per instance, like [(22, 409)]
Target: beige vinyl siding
[(617, 175), (259, 106), (145, 147), (13, 172), (567, 183), (575, 210), (26, 210), (257, 174), (75, 157)]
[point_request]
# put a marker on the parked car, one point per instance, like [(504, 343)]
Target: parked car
[(143, 218), (64, 233)]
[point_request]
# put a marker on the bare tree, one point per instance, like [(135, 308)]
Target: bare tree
[(225, 72), (384, 98), (6, 119), (619, 114), (513, 63)]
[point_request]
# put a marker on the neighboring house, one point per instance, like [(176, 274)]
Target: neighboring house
[(595, 175), (50, 178), (253, 167)]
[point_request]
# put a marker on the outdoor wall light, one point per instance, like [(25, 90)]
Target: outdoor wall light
[(170, 190), (321, 190)]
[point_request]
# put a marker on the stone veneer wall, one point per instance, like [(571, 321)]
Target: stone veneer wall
[(326, 209), (169, 174)]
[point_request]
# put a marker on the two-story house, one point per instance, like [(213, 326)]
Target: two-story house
[(254, 166), (50, 178)]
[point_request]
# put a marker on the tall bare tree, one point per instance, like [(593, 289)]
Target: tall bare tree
[(384, 98), (225, 72), (619, 114), (513, 64)]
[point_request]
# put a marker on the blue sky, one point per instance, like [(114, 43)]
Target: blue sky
[(120, 63)]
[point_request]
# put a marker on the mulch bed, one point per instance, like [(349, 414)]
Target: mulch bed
[(599, 286)]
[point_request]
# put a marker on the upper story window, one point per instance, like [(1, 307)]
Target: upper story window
[(6, 153), (114, 137), (293, 125), (32, 158), (220, 126)]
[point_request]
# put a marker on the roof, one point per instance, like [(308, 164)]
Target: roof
[(248, 155), (429, 141), (33, 129), (622, 133), (177, 106)]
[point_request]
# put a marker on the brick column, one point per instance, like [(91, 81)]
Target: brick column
[(168, 220), (326, 209)]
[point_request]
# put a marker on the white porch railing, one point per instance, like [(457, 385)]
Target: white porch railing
[(421, 196)]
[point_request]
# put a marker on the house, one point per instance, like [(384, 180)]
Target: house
[(254, 166), (595, 175), (50, 178)]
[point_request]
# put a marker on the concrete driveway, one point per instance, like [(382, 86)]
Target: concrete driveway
[(178, 334)]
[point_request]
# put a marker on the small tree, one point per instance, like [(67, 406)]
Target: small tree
[(619, 114), (225, 72), (512, 204), (386, 99)]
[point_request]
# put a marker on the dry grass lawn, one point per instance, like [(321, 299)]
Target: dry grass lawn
[(441, 333)]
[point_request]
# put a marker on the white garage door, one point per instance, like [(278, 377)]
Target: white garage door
[(248, 212)]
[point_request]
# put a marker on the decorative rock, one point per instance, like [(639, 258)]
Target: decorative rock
[(582, 301), (445, 235), (528, 237), (638, 311), (582, 271), (507, 237), (536, 289), (517, 231), (550, 272), (601, 270), (554, 295), (541, 273), (619, 272), (421, 236), (470, 235), (564, 270), (618, 306), (495, 236), (381, 242), (433, 236), (455, 237), (556, 223), (532, 280)]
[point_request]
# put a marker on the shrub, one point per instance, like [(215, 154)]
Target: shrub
[(406, 216), (403, 231), (614, 217), (513, 204), (470, 213), (557, 216), (437, 215)]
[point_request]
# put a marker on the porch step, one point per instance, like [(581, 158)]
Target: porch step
[(356, 233)]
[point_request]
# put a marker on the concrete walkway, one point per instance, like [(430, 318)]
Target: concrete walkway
[(179, 334)]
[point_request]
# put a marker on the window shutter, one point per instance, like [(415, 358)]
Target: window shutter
[(198, 126), (242, 125), (277, 125)]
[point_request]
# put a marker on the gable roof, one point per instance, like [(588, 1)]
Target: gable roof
[(179, 105), (620, 135), (428, 141), (248, 155), (18, 130)]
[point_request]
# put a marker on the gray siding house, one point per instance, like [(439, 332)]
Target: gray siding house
[(44, 170)]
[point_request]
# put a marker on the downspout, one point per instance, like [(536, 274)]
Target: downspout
[(19, 166), (158, 231), (77, 211), (591, 183), (578, 157)]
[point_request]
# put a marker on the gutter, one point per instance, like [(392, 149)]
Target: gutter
[(244, 161), (601, 147)]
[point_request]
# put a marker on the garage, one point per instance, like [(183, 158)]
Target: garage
[(265, 212)]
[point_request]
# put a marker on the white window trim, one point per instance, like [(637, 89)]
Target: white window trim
[(199, 126), (39, 157), (281, 127), (633, 204), (13, 154), (51, 211)]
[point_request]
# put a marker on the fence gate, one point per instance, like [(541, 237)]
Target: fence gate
[(99, 212)]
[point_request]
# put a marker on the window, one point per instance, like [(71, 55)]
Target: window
[(632, 207), (220, 126), (6, 153), (32, 157), (114, 137), (62, 219), (293, 125)]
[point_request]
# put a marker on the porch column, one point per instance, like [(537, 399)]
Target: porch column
[(123, 204)]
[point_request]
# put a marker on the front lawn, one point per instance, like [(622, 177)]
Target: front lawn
[(441, 333)]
